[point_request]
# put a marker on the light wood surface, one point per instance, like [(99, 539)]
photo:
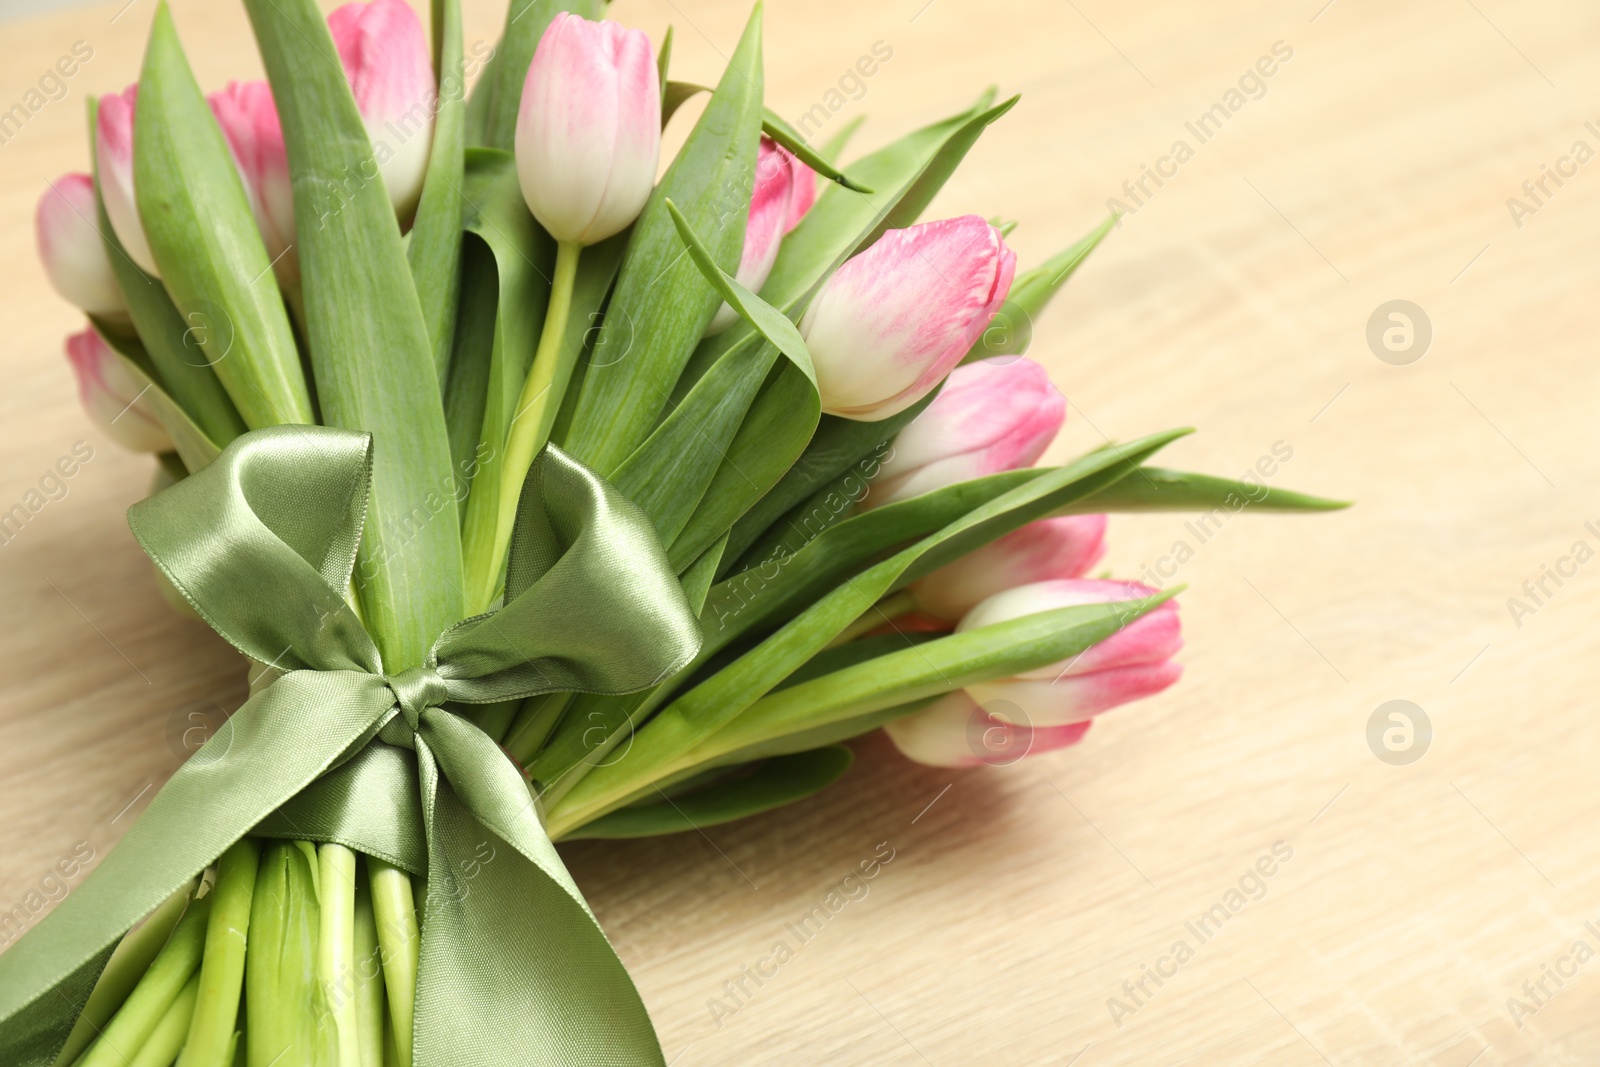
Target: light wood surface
[(1418, 899)]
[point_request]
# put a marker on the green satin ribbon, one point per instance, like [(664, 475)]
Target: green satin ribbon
[(513, 967)]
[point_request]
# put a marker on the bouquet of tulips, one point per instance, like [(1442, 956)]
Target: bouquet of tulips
[(546, 500)]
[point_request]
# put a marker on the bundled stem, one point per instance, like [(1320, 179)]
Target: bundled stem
[(400, 943), (216, 1009), (336, 947)]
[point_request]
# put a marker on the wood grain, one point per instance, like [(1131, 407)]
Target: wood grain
[(1375, 165)]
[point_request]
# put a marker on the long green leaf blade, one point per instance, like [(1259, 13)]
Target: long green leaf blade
[(370, 348), (1159, 489), (777, 782), (197, 218)]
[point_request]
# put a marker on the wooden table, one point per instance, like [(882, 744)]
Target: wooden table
[(1408, 903)]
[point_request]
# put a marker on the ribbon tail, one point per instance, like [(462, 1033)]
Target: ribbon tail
[(272, 747), (506, 930)]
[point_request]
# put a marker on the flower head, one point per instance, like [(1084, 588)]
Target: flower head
[(895, 319)]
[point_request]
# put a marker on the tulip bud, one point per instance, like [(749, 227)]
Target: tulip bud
[(249, 121), (991, 416), (386, 57), (770, 206), (1062, 547), (70, 246), (954, 731), (893, 321), (113, 398), (1134, 662), (113, 148), (589, 129), (1002, 720)]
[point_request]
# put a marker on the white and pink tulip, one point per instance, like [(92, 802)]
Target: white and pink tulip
[(114, 399), (113, 147), (386, 58), (589, 129), (993, 415), (70, 246), (894, 320), (1050, 701)]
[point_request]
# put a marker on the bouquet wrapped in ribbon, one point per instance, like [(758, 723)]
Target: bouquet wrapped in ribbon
[(546, 498)]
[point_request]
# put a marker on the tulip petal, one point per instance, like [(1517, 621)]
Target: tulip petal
[(71, 248), (111, 396), (1061, 547), (1050, 702), (955, 731), (893, 321), (114, 159)]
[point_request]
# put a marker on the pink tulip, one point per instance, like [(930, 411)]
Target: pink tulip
[(1134, 662), (74, 255), (1049, 707), (993, 415), (770, 208), (249, 121), (589, 129), (112, 396), (893, 321), (1062, 547), (954, 731), (803, 195), (386, 57), (113, 141)]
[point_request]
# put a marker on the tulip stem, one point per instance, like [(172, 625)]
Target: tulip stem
[(394, 912), (216, 1008), (883, 613), (336, 948), (537, 407)]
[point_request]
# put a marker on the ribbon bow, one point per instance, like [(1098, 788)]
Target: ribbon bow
[(262, 542)]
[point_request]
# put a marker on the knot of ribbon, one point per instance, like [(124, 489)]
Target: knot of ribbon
[(415, 691), (262, 542)]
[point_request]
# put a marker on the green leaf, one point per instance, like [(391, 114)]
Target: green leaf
[(675, 94), (1158, 489), (697, 715), (1010, 332), (526, 21), (775, 783), (842, 456), (668, 475), (777, 128), (370, 348), (661, 297), (197, 218), (434, 250), (664, 61), (466, 391), (175, 359)]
